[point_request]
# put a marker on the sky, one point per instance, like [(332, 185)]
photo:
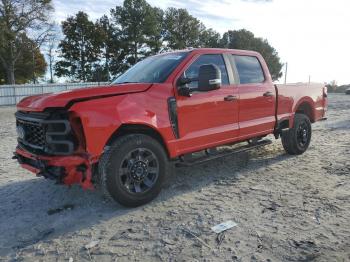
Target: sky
[(312, 36)]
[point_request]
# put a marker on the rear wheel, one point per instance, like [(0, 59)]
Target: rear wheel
[(133, 170), (296, 140)]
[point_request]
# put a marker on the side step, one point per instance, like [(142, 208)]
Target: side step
[(209, 156)]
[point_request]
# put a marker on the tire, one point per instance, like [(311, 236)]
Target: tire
[(296, 140), (133, 169)]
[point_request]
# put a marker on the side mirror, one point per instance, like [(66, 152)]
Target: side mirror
[(209, 77), (183, 81), (182, 86)]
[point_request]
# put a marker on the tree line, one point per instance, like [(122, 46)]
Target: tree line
[(333, 87), (100, 50)]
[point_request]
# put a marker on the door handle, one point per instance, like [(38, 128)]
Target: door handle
[(267, 94), (230, 98)]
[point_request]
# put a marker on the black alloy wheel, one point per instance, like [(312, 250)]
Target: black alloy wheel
[(139, 170)]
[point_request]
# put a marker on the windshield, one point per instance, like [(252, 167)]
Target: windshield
[(154, 69)]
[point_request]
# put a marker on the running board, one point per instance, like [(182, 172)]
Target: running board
[(208, 157)]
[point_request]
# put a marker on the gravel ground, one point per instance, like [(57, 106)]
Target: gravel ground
[(287, 208)]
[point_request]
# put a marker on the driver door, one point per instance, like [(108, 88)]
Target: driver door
[(207, 119)]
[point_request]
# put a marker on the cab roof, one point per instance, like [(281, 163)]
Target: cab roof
[(218, 50)]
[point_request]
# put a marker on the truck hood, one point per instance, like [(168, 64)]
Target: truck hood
[(66, 98)]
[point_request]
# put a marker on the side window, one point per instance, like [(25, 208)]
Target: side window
[(218, 60), (249, 69)]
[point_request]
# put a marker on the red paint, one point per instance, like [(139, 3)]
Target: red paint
[(61, 99), (69, 162), (205, 119)]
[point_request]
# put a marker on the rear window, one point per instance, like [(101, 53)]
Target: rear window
[(249, 69)]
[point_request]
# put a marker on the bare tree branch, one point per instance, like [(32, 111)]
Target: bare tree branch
[(19, 20)]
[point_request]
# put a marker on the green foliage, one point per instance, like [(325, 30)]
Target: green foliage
[(110, 48), (244, 39), (181, 29), (209, 38), (31, 64), (26, 64), (17, 18), (80, 49), (136, 30), (139, 28)]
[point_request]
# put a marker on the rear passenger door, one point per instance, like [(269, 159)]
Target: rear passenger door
[(257, 97)]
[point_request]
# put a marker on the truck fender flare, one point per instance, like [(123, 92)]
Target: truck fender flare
[(304, 106), (135, 128)]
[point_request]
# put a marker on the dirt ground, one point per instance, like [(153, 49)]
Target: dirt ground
[(287, 208)]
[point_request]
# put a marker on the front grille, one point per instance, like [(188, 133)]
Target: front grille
[(34, 133), (43, 133)]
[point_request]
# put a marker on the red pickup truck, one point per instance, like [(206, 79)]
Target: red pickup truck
[(128, 135)]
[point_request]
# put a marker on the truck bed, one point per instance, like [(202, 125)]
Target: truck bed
[(309, 96)]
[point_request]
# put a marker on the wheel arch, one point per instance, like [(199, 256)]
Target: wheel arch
[(306, 107), (125, 129)]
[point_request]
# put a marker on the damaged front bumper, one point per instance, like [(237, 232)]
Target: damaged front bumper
[(68, 170)]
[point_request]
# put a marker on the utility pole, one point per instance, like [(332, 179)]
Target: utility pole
[(285, 73)]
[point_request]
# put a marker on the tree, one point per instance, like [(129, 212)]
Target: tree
[(114, 51), (244, 39), (50, 50), (31, 64), (108, 48), (135, 30), (139, 27), (209, 38), (2, 76), (332, 86), (18, 19), (155, 25), (80, 50), (181, 29)]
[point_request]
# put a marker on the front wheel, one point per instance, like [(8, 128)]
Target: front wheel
[(133, 169), (296, 140)]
